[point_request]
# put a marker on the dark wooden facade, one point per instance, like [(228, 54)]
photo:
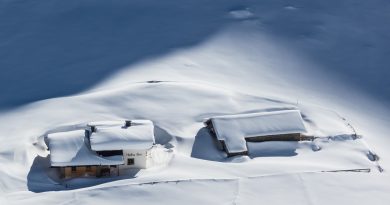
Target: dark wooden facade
[(88, 171)]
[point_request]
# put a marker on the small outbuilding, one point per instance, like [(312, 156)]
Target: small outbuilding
[(232, 132), (102, 149)]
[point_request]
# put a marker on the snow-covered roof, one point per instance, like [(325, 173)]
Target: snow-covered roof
[(233, 129), (114, 136), (71, 149)]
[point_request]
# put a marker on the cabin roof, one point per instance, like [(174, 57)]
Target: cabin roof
[(233, 129), (115, 136), (72, 149)]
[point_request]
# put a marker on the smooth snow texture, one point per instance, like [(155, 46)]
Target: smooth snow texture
[(328, 59), (178, 128), (233, 129), (72, 149), (293, 156), (139, 136), (241, 14)]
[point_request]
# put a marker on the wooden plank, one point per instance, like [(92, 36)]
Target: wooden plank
[(80, 171), (91, 171), (68, 172)]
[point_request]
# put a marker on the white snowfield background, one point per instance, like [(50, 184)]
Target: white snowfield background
[(66, 63)]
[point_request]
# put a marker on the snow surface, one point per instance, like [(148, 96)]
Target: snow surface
[(179, 62), (72, 149), (241, 14), (139, 136), (233, 129)]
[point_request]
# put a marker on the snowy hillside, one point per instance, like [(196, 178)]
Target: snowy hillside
[(64, 64)]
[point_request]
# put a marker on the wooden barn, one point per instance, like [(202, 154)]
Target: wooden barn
[(232, 132)]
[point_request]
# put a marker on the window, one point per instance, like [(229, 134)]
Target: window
[(73, 169), (110, 153), (113, 166), (105, 171), (130, 161), (88, 168)]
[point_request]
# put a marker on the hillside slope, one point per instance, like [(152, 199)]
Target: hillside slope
[(179, 62)]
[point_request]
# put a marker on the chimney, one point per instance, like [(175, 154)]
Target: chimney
[(93, 128), (128, 123)]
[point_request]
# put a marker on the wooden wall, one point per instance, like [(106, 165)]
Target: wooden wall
[(285, 137), (80, 171)]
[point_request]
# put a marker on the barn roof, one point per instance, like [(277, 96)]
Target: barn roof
[(72, 149), (233, 129), (116, 136)]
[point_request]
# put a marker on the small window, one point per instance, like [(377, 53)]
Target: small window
[(73, 169), (130, 161), (88, 168), (113, 166)]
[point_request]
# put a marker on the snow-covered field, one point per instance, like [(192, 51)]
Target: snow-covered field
[(66, 63)]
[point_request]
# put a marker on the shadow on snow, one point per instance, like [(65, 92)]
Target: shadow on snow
[(56, 48), (42, 178)]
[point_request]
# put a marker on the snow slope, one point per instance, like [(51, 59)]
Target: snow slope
[(327, 59)]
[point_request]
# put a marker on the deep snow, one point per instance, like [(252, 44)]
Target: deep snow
[(140, 135), (327, 59), (71, 149)]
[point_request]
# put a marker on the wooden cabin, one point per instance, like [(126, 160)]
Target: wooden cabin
[(232, 132), (102, 149)]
